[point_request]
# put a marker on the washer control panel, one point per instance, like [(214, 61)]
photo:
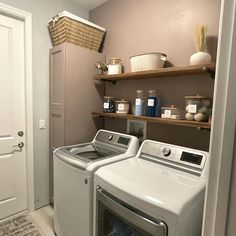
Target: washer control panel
[(113, 138)]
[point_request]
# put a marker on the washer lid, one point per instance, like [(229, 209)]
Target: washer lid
[(91, 151), (106, 147), (82, 155), (158, 190)]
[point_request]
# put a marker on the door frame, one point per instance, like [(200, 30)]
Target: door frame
[(27, 20), (223, 134)]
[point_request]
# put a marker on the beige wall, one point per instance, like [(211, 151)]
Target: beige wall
[(137, 26), (42, 11)]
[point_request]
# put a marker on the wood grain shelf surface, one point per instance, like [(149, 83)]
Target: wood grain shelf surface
[(163, 72), (202, 125)]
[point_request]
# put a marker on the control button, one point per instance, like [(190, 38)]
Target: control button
[(110, 137), (166, 151)]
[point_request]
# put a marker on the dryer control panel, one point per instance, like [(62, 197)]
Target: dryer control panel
[(182, 157), (191, 158)]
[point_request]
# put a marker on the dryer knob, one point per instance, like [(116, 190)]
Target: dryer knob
[(166, 151)]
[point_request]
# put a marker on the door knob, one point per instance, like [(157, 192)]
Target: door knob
[(19, 145)]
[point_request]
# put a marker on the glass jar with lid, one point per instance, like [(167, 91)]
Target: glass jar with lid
[(197, 108), (172, 112), (122, 106), (109, 104), (114, 66)]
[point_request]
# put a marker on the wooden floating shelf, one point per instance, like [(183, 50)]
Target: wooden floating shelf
[(169, 71), (195, 124)]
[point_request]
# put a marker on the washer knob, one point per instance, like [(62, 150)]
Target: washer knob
[(166, 151)]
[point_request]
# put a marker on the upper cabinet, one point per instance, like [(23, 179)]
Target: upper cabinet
[(73, 94)]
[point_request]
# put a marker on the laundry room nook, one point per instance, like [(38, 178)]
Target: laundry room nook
[(117, 118)]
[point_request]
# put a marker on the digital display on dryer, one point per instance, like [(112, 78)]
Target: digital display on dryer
[(123, 141), (191, 158)]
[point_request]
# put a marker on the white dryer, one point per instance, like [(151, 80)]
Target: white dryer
[(159, 192), (74, 168)]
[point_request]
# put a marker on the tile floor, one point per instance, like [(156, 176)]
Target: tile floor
[(43, 219)]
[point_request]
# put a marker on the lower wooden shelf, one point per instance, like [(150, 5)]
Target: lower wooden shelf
[(195, 124)]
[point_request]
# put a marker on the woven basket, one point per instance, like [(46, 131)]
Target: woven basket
[(76, 32)]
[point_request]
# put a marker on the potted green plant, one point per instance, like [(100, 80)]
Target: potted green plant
[(101, 66)]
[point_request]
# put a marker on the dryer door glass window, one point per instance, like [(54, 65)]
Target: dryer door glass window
[(114, 225), (115, 218)]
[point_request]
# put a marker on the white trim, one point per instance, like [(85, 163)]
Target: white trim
[(223, 129), (27, 19), (13, 216)]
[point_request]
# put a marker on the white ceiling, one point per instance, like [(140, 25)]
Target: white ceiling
[(89, 4)]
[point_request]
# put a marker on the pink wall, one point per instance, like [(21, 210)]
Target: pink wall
[(138, 26)]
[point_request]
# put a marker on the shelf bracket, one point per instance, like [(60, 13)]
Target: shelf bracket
[(111, 81), (210, 71), (201, 128)]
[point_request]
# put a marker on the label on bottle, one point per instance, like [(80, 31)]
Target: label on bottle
[(138, 101), (106, 105), (192, 108), (151, 102), (121, 107)]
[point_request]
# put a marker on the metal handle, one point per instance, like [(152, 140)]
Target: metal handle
[(19, 145), (157, 228)]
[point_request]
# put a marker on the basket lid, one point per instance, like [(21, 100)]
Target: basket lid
[(74, 17)]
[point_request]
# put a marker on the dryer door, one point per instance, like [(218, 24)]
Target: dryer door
[(114, 217)]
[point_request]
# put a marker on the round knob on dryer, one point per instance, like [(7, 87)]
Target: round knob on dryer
[(166, 151)]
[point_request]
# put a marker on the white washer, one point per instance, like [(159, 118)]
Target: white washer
[(74, 168), (159, 192)]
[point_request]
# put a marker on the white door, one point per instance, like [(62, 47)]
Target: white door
[(12, 117)]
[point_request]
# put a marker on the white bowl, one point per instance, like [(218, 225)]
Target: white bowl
[(147, 61)]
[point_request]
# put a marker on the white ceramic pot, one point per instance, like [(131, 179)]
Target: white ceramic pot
[(200, 58), (148, 61)]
